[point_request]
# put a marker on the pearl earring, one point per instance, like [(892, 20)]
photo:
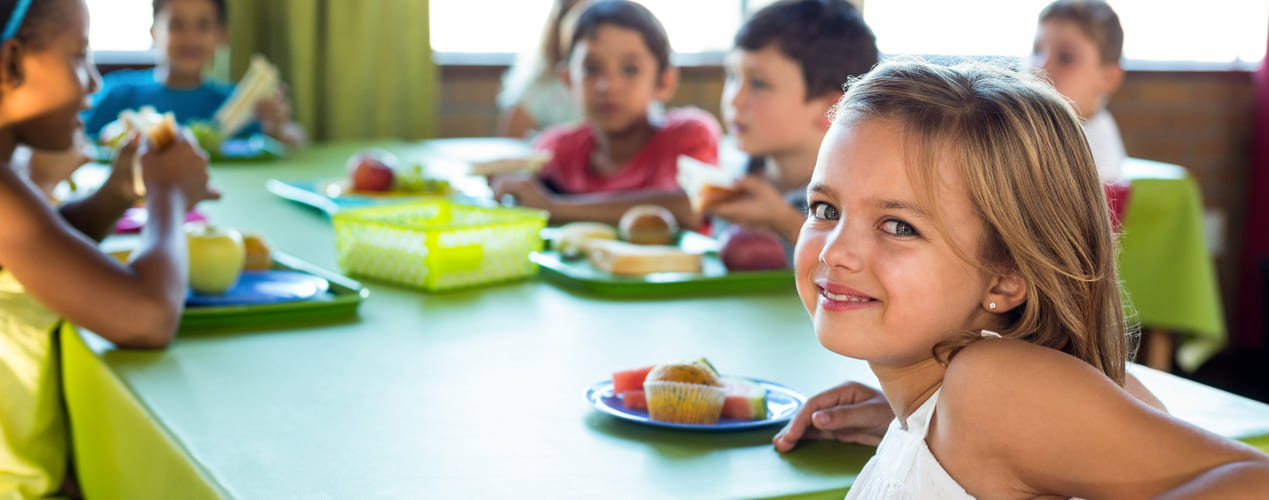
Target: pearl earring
[(992, 306)]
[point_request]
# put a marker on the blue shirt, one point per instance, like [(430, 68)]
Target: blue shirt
[(132, 89)]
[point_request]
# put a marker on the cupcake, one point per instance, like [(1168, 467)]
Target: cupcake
[(686, 393)]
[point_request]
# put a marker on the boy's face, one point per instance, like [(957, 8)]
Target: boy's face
[(764, 103), (1073, 61), (187, 33), (613, 77)]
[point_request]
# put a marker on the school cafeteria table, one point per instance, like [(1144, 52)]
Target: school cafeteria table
[(470, 394)]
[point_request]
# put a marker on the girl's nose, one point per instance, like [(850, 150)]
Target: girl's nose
[(843, 248)]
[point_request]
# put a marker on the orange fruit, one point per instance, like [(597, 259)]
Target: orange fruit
[(259, 254)]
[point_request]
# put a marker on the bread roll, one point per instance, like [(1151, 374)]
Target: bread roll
[(648, 225)]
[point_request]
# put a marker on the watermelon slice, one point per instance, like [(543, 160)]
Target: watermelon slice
[(629, 380), (746, 400), (634, 400)]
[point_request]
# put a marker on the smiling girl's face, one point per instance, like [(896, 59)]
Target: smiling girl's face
[(880, 281)]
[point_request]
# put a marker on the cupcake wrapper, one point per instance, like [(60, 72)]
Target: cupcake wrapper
[(684, 403)]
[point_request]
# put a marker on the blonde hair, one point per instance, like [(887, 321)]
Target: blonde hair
[(539, 63), (1023, 157)]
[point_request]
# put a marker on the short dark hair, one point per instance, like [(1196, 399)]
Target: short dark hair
[(828, 38), (39, 17), (626, 14), (1096, 20), (222, 9)]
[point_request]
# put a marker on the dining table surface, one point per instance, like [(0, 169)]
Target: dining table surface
[(474, 393)]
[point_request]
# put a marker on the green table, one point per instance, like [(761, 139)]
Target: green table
[(1164, 263), (473, 394)]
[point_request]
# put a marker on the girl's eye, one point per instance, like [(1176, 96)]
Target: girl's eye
[(821, 210), (590, 69), (1065, 58), (759, 84), (630, 70), (898, 228)]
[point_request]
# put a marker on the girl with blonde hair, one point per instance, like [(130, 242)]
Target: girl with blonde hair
[(958, 240)]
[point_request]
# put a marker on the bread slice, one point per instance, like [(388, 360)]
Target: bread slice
[(627, 259)]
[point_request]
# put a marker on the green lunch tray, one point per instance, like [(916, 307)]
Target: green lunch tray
[(714, 278), (339, 302)]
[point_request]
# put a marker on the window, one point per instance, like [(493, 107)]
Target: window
[(1218, 33), (119, 30)]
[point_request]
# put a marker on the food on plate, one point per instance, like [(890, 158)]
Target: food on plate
[(258, 252), (372, 170), (621, 258), (705, 184), (216, 256), (258, 83), (751, 249), (413, 179), (571, 239), (686, 393), (744, 400), (648, 225)]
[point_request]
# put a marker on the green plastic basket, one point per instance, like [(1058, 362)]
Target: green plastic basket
[(438, 244)]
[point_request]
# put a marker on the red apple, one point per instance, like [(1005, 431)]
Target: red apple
[(751, 249), (371, 170)]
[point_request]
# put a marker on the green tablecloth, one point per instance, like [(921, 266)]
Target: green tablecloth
[(472, 394), (1164, 262)]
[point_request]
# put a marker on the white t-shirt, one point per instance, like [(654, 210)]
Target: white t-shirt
[(1107, 146)]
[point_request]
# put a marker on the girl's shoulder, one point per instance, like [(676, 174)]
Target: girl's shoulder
[(992, 373)]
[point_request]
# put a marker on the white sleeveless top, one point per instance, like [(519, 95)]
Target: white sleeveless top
[(904, 468)]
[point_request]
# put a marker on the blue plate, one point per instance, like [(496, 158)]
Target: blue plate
[(264, 287), (782, 403)]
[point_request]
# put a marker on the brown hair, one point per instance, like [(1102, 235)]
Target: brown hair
[(1024, 160), (1096, 19)]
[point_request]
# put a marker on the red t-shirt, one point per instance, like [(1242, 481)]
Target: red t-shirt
[(683, 131)]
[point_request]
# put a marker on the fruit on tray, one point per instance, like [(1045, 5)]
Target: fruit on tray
[(751, 249), (372, 170), (413, 179), (648, 225), (216, 256), (744, 400), (571, 239), (259, 254), (207, 134), (635, 400), (630, 380)]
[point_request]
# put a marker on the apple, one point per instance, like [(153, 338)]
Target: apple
[(216, 256), (372, 170), (751, 249)]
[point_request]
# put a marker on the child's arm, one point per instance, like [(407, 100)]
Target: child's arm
[(1016, 419), (95, 215), (600, 207), (850, 413), (274, 114), (138, 305)]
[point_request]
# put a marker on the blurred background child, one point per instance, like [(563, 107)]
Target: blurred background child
[(786, 70), (533, 97), (1078, 44), (50, 266), (186, 35), (623, 155)]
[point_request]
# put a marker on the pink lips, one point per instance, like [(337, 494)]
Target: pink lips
[(835, 297)]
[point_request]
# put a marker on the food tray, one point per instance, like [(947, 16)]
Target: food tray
[(437, 244), (714, 278), (338, 302)]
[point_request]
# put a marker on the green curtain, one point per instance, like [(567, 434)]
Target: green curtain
[(356, 69)]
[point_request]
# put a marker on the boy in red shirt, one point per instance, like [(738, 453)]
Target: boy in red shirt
[(622, 155)]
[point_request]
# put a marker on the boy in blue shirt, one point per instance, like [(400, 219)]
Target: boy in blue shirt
[(186, 35)]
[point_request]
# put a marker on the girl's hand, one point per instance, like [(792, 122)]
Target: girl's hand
[(850, 413), (120, 180), (526, 190), (181, 166)]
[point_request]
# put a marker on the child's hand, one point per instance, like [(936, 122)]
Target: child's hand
[(181, 166), (526, 190), (850, 413), (274, 112), (759, 205)]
